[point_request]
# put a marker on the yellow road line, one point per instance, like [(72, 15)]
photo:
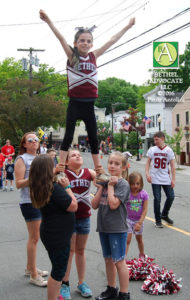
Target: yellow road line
[(171, 227)]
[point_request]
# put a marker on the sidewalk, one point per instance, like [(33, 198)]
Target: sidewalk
[(185, 170)]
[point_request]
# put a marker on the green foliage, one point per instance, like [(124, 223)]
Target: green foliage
[(174, 143), (132, 141), (120, 140), (10, 68), (103, 130), (114, 90), (21, 111), (55, 83)]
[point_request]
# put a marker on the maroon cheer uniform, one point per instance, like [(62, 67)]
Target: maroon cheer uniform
[(83, 90), (80, 185)]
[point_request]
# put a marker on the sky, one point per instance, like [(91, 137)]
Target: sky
[(21, 27)]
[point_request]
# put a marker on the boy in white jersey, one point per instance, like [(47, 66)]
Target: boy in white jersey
[(161, 157)]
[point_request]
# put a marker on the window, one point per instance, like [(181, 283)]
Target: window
[(152, 123), (187, 118), (177, 120), (97, 118)]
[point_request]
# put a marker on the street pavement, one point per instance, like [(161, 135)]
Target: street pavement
[(170, 246)]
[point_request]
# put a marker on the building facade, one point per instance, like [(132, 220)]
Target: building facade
[(158, 107), (181, 119)]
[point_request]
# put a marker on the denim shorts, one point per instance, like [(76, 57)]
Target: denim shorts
[(59, 259), (30, 213), (113, 245), (131, 225), (82, 226)]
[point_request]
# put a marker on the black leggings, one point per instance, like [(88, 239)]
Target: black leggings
[(81, 111)]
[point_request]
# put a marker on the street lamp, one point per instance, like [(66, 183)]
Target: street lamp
[(137, 130), (121, 130), (159, 122)]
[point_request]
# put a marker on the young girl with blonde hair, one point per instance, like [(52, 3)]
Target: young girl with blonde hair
[(112, 227)]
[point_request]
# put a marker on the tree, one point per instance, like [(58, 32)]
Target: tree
[(20, 111), (103, 131), (53, 83), (10, 68), (132, 142), (174, 143), (114, 90)]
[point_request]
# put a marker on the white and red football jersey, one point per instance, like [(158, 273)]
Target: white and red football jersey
[(160, 164), (80, 185), (82, 78)]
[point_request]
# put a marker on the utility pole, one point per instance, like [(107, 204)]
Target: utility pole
[(32, 61)]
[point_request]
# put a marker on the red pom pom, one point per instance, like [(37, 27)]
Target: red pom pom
[(156, 281)]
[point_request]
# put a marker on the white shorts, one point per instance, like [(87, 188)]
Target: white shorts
[(131, 225)]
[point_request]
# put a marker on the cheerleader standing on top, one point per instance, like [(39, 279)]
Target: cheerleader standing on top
[(82, 83)]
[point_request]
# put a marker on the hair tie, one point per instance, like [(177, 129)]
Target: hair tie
[(91, 29)]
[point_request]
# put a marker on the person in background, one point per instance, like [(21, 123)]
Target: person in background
[(2, 159), (28, 150), (43, 148), (161, 157), (9, 173), (52, 153), (8, 150)]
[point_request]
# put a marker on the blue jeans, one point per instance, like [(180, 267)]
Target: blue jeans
[(156, 189), (113, 245), (1, 178)]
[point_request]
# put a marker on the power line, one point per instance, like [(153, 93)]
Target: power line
[(158, 25), (146, 44), (178, 29), (134, 11), (60, 21), (111, 11), (118, 22)]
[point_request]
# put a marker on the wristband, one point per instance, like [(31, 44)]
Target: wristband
[(68, 187)]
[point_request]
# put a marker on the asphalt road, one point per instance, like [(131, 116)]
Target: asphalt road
[(170, 246)]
